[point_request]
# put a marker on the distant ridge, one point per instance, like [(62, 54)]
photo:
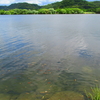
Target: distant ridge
[(23, 5), (83, 4)]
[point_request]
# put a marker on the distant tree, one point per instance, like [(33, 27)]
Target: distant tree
[(74, 11), (7, 12), (61, 11), (44, 11), (54, 5), (66, 3), (52, 11), (96, 4), (16, 11), (98, 10), (2, 12), (32, 12), (23, 11)]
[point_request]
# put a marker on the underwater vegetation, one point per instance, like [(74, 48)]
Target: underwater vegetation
[(67, 95), (39, 82)]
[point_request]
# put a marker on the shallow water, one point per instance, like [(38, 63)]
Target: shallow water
[(41, 55)]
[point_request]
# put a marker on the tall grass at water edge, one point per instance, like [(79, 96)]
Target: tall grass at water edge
[(94, 94)]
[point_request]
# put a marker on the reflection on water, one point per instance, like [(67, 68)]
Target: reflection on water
[(84, 53), (44, 56)]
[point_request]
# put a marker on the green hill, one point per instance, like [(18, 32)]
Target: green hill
[(82, 4), (96, 3), (21, 6)]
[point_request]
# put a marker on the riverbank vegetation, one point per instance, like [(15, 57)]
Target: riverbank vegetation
[(94, 94), (62, 7), (48, 11), (42, 11)]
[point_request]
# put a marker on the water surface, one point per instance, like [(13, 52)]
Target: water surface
[(41, 55)]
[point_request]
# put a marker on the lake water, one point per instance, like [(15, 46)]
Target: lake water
[(42, 55)]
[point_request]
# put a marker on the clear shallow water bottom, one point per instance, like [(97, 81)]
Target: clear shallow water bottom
[(45, 80), (44, 56)]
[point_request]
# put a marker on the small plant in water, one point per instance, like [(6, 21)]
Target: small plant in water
[(94, 94)]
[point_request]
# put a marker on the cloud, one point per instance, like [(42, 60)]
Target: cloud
[(30, 1), (6, 1), (39, 2)]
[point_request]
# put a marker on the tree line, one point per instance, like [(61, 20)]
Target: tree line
[(62, 7), (82, 4), (45, 11), (42, 11)]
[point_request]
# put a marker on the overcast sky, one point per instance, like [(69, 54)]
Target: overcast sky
[(39, 2)]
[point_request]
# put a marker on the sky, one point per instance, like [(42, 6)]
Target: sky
[(39, 2)]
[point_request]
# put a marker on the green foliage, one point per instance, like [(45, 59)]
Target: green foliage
[(96, 3), (98, 10), (44, 11), (2, 12), (77, 11), (74, 11), (47, 11), (94, 94), (82, 4), (15, 11), (68, 3), (23, 6), (32, 12), (70, 11), (61, 11), (22, 11), (89, 12), (52, 11)]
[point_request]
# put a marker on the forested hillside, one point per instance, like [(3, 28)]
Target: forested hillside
[(21, 6), (60, 7), (82, 4)]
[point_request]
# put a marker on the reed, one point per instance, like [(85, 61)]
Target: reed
[(94, 94)]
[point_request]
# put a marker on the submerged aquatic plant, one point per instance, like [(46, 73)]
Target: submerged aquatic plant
[(94, 94)]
